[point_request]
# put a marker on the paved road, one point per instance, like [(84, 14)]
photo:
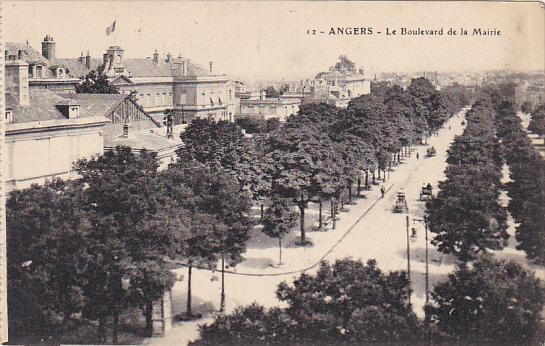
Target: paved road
[(380, 234)]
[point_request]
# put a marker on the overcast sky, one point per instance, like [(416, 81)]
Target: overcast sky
[(270, 40)]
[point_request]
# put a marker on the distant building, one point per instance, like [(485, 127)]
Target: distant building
[(45, 132), (336, 87), (266, 108)]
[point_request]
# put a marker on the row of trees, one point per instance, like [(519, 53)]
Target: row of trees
[(527, 172), (91, 248), (348, 302), (319, 154), (537, 121), (466, 215)]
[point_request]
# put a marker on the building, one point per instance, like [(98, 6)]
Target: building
[(162, 83), (337, 86), (44, 70), (131, 126), (154, 140), (124, 113), (266, 108), (45, 132)]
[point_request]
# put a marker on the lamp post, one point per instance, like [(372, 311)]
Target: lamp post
[(408, 258), (425, 222)]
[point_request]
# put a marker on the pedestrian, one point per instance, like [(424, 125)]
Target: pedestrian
[(382, 191), (418, 156)]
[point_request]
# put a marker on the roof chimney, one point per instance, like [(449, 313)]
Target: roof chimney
[(48, 48), (17, 81), (88, 60), (169, 58), (156, 57)]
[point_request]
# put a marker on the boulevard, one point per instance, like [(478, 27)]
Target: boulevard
[(369, 230)]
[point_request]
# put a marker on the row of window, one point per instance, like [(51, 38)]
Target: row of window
[(156, 100)]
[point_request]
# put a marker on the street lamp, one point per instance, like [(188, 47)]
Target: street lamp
[(408, 258), (425, 222)]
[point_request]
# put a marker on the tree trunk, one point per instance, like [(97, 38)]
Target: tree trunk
[(280, 250), (302, 224), (189, 312), (350, 193), (320, 215), (367, 180), (115, 331), (261, 217), (101, 332), (359, 187), (222, 302), (374, 181), (334, 215), (148, 315)]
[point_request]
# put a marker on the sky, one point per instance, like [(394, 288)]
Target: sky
[(269, 40)]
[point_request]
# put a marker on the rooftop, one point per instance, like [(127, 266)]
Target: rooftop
[(42, 107)]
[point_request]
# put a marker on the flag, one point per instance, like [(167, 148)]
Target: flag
[(110, 29)]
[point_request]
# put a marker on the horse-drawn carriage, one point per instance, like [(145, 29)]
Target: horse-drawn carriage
[(430, 151), (401, 203), (426, 193)]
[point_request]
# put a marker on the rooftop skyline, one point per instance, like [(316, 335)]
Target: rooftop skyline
[(255, 40)]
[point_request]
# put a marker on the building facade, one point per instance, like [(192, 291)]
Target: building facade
[(266, 108), (162, 83), (45, 132)]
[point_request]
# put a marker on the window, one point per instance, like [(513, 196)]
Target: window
[(230, 94), (148, 100), (38, 71), (9, 115), (157, 99)]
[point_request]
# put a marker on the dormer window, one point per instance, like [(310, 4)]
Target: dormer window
[(69, 108), (74, 112), (39, 71), (60, 72), (9, 115)]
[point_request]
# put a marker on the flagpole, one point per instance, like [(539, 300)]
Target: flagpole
[(115, 31)]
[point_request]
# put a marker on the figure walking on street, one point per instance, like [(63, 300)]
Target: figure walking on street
[(417, 156), (382, 191)]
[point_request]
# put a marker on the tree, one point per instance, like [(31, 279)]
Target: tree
[(278, 221), (272, 124), (251, 125), (121, 194), (345, 64), (537, 122), (219, 212), (347, 302), (96, 82), (526, 107), (251, 325), (490, 302), (47, 256), (465, 214), (271, 92)]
